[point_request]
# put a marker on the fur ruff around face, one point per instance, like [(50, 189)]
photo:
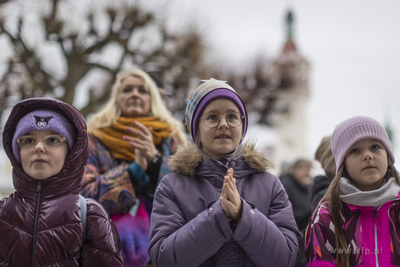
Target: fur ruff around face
[(188, 157)]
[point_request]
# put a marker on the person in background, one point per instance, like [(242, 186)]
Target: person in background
[(321, 182), (297, 183), (357, 223), (219, 206), (285, 167), (41, 223), (131, 139)]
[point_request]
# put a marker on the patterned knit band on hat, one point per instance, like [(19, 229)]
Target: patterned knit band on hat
[(208, 91), (352, 130), (43, 120)]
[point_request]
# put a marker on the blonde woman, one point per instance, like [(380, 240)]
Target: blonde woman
[(130, 142)]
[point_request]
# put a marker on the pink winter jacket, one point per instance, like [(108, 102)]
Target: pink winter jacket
[(373, 235)]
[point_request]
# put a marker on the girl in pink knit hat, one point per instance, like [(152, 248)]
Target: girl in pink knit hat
[(357, 221)]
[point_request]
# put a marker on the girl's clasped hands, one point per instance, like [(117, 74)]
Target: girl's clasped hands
[(231, 202)]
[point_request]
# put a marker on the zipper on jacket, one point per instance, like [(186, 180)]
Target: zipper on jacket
[(376, 237), (39, 191)]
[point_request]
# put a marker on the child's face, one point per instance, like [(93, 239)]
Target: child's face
[(366, 163), (44, 158), (223, 138)]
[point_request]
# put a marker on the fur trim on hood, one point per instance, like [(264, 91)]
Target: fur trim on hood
[(188, 157)]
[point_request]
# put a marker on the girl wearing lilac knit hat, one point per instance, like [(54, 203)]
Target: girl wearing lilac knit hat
[(220, 206), (357, 221)]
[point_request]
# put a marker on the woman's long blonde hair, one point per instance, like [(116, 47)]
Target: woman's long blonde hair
[(335, 207), (112, 110)]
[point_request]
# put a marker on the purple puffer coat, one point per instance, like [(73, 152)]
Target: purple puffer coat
[(40, 224), (188, 225)]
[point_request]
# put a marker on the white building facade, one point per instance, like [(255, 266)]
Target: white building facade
[(290, 74)]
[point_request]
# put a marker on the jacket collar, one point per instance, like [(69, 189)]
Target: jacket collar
[(188, 159)]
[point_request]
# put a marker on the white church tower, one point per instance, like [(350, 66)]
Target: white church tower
[(290, 76)]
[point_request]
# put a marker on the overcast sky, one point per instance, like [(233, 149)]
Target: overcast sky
[(351, 45)]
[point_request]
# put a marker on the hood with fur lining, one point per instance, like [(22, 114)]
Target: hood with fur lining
[(188, 157)]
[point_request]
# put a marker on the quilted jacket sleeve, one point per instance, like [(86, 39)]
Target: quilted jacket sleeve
[(175, 242), (272, 238), (102, 244), (107, 182)]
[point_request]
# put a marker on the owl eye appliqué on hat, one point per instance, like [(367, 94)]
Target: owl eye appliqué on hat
[(44, 119), (42, 122)]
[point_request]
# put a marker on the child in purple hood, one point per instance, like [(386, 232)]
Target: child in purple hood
[(42, 223), (219, 206), (357, 223)]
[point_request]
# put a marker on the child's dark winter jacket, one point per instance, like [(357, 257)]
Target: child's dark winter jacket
[(40, 224), (188, 225)]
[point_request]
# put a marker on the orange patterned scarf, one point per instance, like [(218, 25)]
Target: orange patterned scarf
[(111, 136)]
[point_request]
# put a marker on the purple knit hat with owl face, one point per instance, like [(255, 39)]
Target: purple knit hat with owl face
[(43, 120)]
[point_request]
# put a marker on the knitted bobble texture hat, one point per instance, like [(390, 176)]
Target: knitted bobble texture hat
[(43, 120), (208, 91), (352, 130)]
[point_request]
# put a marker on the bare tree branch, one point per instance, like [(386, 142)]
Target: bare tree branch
[(178, 58)]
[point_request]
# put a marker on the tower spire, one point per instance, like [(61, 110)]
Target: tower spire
[(289, 25)]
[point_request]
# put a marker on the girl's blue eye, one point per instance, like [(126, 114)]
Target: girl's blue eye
[(126, 90), (53, 140), (352, 151), (232, 117), (28, 140), (376, 146), (212, 117)]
